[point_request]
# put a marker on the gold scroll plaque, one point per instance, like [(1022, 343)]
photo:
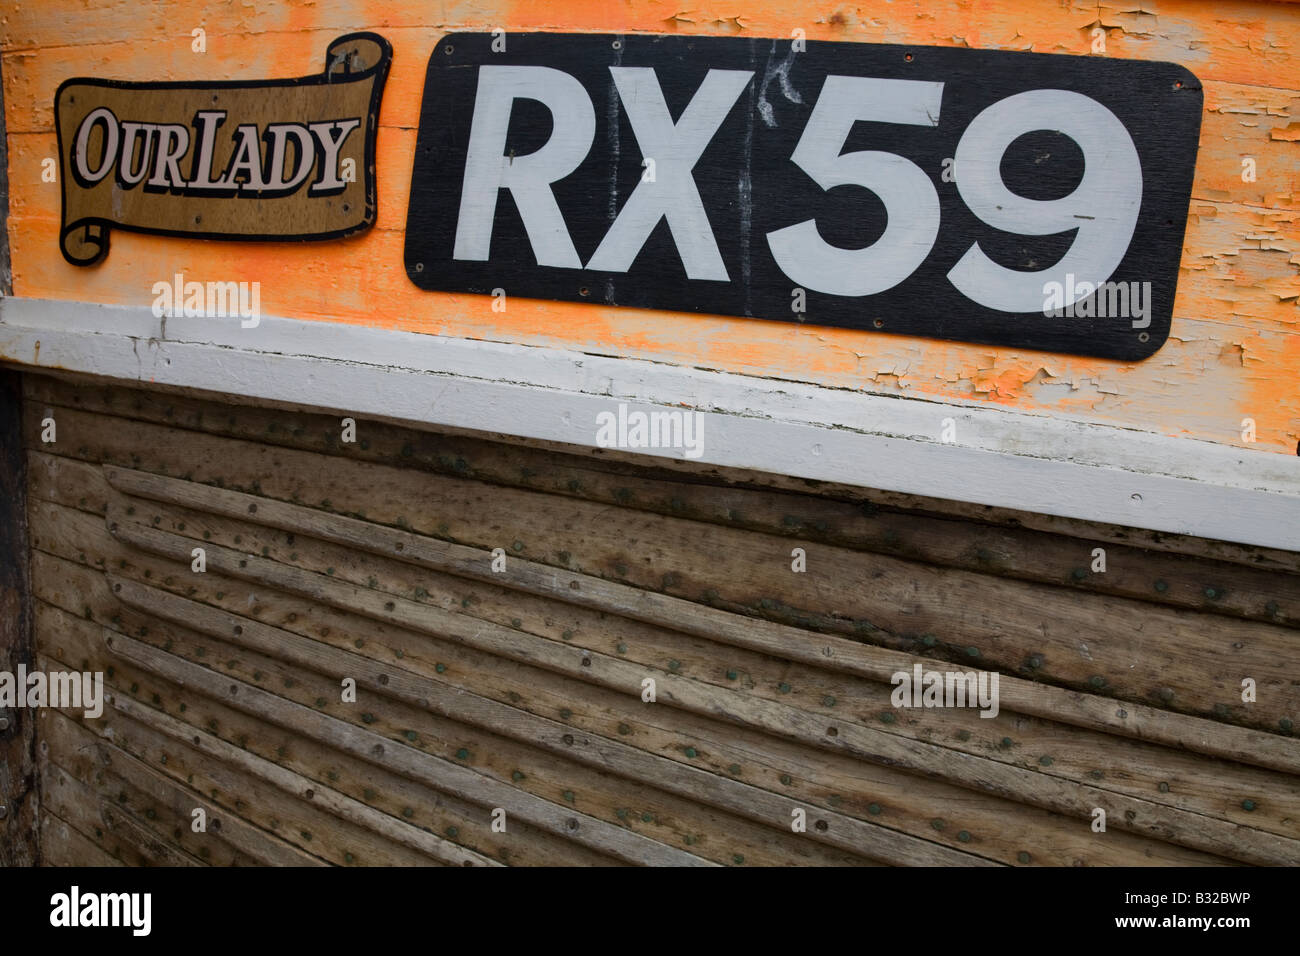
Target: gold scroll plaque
[(257, 160)]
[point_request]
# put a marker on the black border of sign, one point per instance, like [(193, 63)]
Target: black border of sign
[(431, 220), (315, 79)]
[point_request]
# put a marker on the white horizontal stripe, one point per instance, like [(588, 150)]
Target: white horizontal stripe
[(1005, 459)]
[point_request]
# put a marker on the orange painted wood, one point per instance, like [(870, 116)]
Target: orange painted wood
[(1233, 354)]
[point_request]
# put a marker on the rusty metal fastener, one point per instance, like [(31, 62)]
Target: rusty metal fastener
[(4, 723)]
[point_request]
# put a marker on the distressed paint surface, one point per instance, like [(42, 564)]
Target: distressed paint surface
[(1233, 352)]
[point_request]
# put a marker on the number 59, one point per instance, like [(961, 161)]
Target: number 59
[(1103, 209)]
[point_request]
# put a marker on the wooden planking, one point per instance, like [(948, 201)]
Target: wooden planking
[(780, 719), (912, 606), (82, 588), (1142, 815), (383, 825), (223, 786), (410, 601), (1234, 349), (798, 774), (711, 623), (127, 837), (143, 792), (580, 826), (613, 754), (266, 773), (737, 797), (401, 724)]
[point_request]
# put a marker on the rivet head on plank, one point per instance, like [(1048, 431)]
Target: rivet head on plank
[(4, 811), (4, 724)]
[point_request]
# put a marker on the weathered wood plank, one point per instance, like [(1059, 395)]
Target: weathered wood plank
[(911, 608), (624, 844), (292, 765), (927, 808), (1220, 790), (1207, 834), (669, 821), (379, 823), (554, 818), (64, 845), (693, 783), (123, 835), (666, 611), (227, 840), (307, 827)]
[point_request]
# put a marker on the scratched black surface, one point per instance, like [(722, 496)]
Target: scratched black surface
[(1159, 103)]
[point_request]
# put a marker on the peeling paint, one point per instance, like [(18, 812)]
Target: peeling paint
[(1232, 353)]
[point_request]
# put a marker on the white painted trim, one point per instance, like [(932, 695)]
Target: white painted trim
[(1000, 458)]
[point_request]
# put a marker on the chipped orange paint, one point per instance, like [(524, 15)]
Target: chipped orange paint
[(1234, 351)]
